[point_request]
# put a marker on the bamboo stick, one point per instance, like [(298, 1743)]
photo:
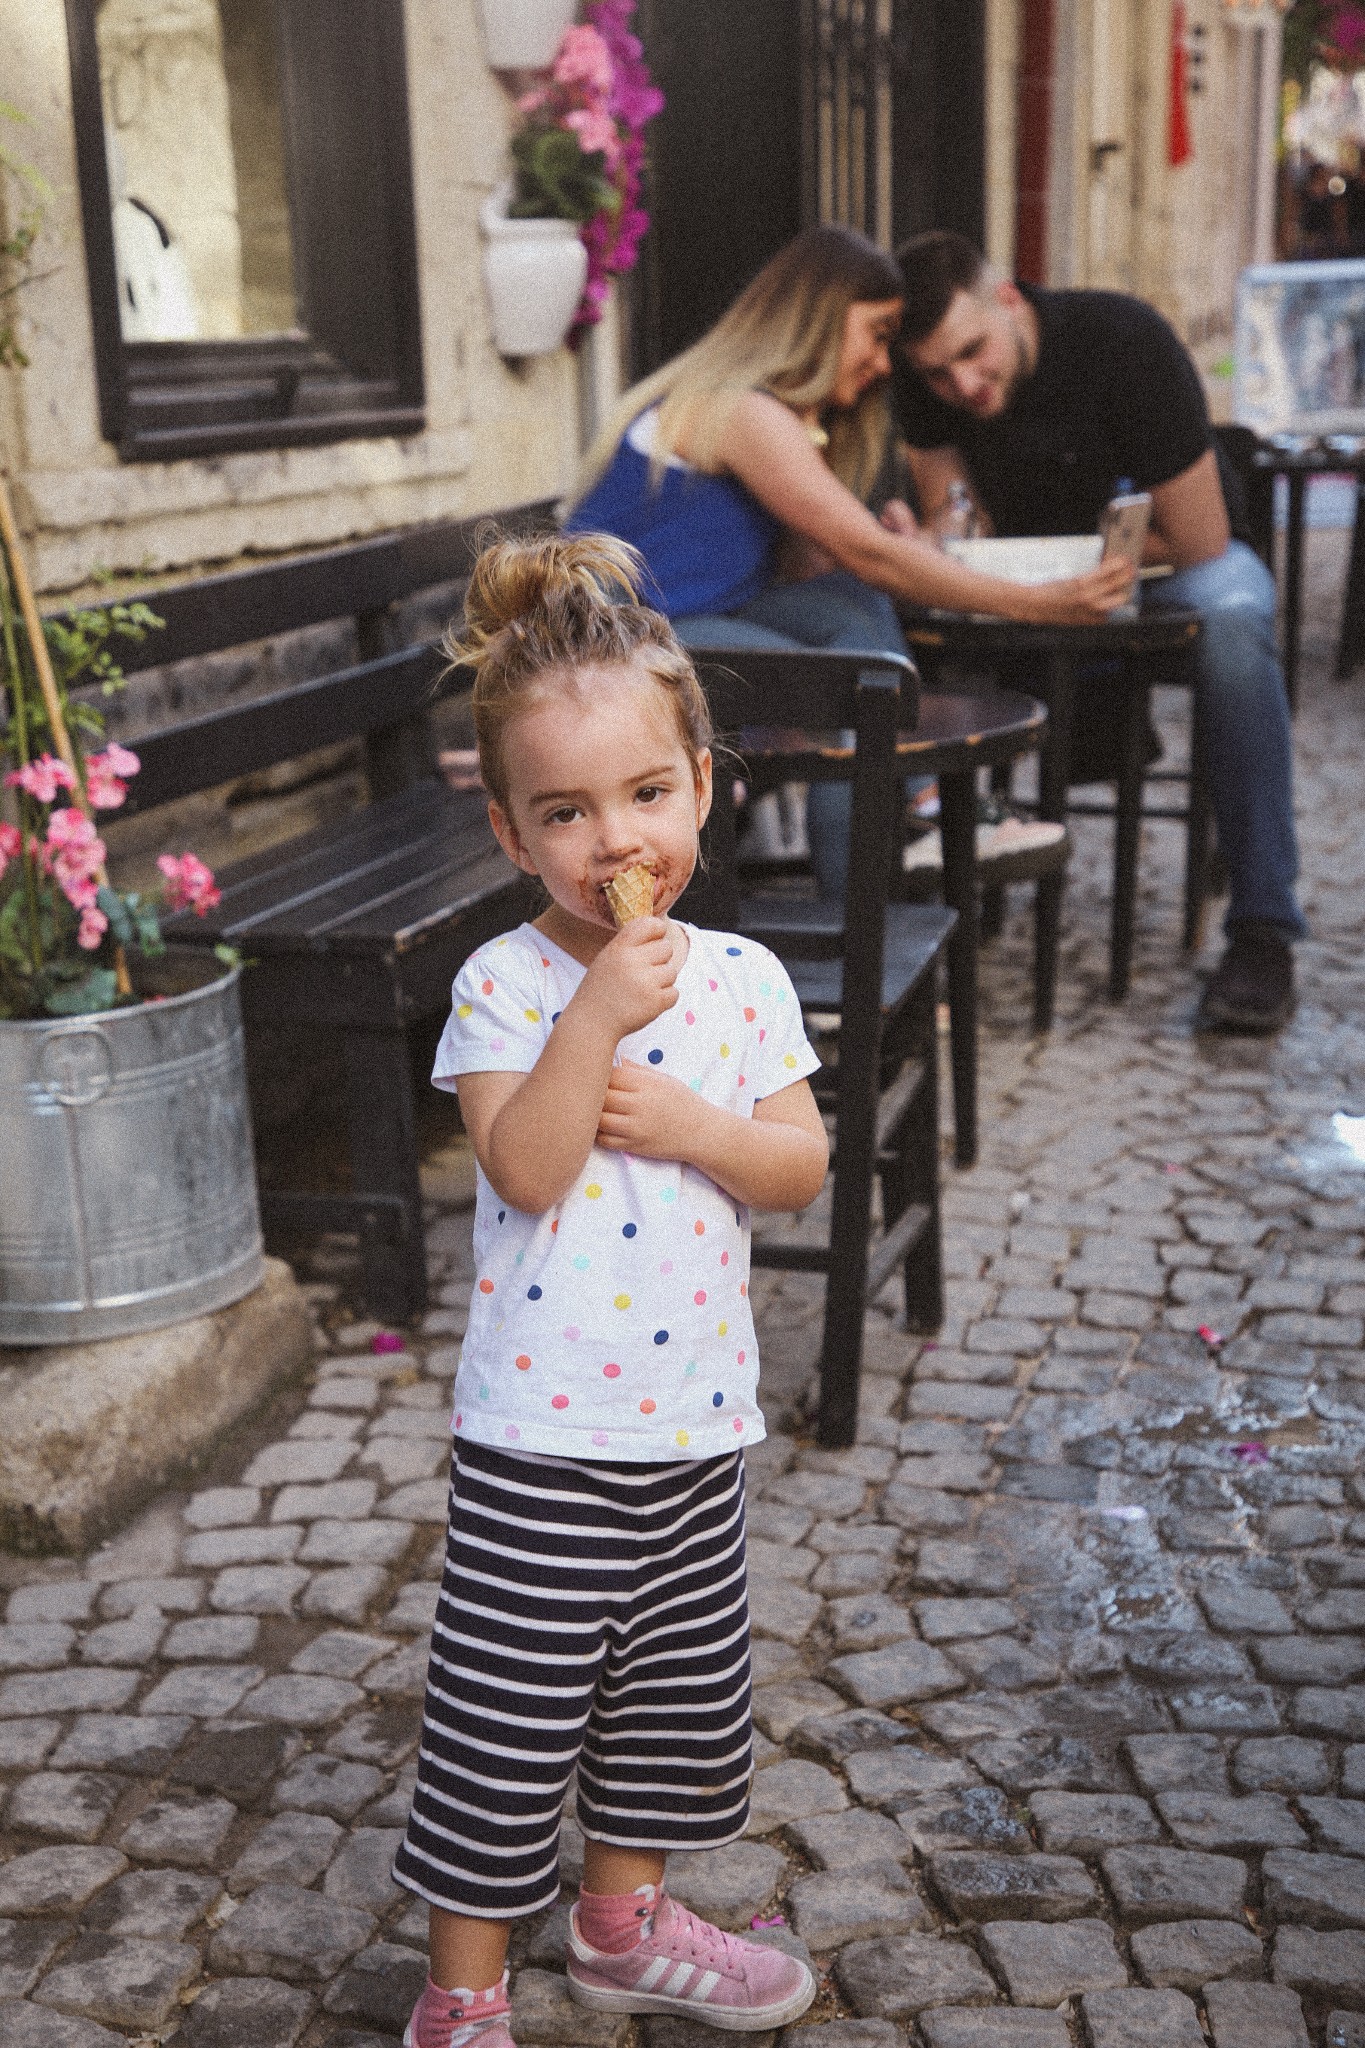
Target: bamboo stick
[(47, 684)]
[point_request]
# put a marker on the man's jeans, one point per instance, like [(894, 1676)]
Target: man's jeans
[(838, 612), (1240, 697)]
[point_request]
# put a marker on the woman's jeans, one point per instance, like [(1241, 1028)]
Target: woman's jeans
[(838, 612), (1240, 697)]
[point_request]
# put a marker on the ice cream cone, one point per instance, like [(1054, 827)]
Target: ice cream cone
[(630, 894)]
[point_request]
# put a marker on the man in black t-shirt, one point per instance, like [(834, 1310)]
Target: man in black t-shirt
[(1043, 403)]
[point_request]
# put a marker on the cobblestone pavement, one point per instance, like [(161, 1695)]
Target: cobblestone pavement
[(1060, 1673)]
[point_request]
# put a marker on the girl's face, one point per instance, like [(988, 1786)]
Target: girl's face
[(599, 781), (870, 328)]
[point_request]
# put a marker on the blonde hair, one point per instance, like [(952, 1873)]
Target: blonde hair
[(557, 603), (782, 335)]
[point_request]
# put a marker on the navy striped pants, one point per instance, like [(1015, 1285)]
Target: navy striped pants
[(591, 1616)]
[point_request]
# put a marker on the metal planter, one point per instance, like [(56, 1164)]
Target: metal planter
[(127, 1180)]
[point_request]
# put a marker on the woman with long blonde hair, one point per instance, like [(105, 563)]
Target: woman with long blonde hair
[(741, 466)]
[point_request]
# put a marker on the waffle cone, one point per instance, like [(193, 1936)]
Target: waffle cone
[(630, 895)]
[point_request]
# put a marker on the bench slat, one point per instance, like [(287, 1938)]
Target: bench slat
[(242, 605), (377, 880), (220, 746)]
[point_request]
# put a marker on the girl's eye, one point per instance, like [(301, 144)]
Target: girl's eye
[(565, 815)]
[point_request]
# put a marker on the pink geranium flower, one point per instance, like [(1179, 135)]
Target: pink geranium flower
[(595, 131), (189, 884), (94, 924), (74, 853), (584, 59), (11, 845), (105, 773), (41, 779)]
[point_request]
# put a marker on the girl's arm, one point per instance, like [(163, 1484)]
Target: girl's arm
[(772, 454), (532, 1133), (776, 1159)]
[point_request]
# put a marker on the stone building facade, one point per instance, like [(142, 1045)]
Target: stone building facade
[(194, 136), (1081, 189)]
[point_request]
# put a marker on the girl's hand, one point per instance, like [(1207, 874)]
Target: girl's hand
[(633, 979), (648, 1113), (1083, 600)]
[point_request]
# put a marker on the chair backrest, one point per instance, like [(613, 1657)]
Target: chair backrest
[(835, 715)]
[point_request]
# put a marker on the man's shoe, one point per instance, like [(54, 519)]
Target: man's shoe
[(1252, 988), (684, 1965), (460, 2019)]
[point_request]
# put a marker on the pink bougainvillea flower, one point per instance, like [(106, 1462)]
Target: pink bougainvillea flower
[(105, 773), (385, 1341), (584, 59), (189, 884), (41, 779), (1251, 1453), (11, 845), (94, 924)]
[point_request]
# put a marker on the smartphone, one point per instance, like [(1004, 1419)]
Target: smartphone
[(1124, 522)]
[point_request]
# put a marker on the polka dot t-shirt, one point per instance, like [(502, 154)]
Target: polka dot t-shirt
[(617, 1324)]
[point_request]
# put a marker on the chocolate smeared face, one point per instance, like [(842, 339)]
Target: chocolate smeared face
[(604, 800)]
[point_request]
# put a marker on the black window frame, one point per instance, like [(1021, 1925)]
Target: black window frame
[(357, 371)]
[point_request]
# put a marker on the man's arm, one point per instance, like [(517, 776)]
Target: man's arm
[(1189, 517)]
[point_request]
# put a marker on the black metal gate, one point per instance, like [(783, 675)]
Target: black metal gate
[(893, 115)]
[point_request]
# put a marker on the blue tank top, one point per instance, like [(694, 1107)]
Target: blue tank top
[(707, 542)]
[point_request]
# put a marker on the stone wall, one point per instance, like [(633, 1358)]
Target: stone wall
[(495, 435)]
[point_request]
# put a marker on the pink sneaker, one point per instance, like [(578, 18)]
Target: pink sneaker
[(460, 2019), (682, 1964)]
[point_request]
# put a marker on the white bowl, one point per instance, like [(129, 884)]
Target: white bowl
[(1043, 558)]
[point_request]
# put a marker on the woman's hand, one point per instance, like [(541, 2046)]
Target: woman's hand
[(633, 980), (650, 1114), (1082, 600)]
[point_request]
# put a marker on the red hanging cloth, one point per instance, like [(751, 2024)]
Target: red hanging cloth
[(1180, 141)]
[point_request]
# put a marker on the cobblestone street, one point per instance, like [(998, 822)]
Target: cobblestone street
[(1059, 1674)]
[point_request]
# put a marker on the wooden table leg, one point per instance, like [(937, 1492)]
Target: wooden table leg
[(957, 827), (1134, 694), (1293, 584)]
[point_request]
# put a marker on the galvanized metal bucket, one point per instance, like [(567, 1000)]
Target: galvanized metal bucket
[(127, 1182)]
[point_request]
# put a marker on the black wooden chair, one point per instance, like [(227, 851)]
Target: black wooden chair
[(874, 969)]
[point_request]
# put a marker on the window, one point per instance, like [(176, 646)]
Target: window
[(246, 190)]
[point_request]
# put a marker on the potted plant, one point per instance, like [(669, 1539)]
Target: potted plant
[(568, 220), (128, 1193), (523, 35)]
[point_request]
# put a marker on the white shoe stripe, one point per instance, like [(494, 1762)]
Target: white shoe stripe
[(674, 1987), (650, 1976), (702, 1990)]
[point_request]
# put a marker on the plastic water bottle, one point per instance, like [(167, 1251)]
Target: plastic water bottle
[(957, 519)]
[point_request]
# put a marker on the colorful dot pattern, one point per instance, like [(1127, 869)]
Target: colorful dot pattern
[(618, 1324)]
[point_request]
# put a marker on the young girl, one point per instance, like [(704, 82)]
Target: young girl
[(630, 1096)]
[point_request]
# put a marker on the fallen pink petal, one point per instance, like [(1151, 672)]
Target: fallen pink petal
[(1213, 1338), (1251, 1453), (385, 1341), (769, 1920)]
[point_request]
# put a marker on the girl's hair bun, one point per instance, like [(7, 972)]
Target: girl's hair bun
[(553, 603), (546, 577)]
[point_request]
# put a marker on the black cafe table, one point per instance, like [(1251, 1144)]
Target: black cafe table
[(1136, 653)]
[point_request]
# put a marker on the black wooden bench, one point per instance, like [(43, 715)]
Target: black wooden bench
[(356, 927)]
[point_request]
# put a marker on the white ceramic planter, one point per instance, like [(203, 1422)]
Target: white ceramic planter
[(523, 35), (534, 271)]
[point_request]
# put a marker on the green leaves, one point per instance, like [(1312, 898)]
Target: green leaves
[(95, 989), (555, 178)]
